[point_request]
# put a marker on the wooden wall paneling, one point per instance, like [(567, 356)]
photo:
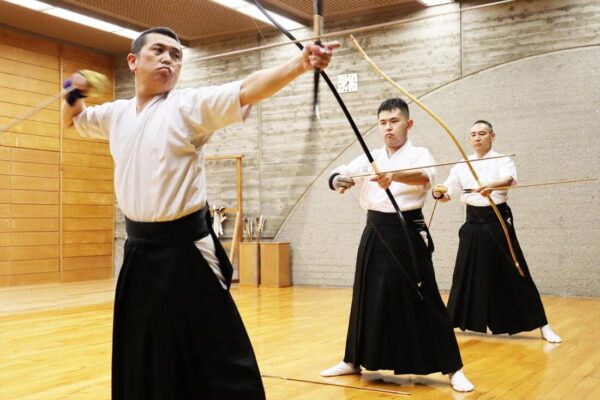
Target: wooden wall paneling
[(29, 73), (29, 163), (61, 172), (4, 213), (39, 238), (33, 266), (40, 157), (83, 146), (83, 224), (87, 191), (32, 169), (29, 70), (4, 267), (34, 246), (74, 172), (89, 59), (33, 279), (5, 181), (34, 183), (33, 252), (73, 237), (28, 85), (51, 184), (82, 263), (87, 211), (33, 44), (88, 185), (26, 224), (29, 99), (5, 239), (37, 210), (88, 274), (33, 197), (29, 56), (86, 160)]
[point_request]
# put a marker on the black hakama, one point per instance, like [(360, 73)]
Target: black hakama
[(390, 328), (177, 333), (487, 291)]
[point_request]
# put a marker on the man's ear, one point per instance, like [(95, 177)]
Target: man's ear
[(409, 123), (132, 62)]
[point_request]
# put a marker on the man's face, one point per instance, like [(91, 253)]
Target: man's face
[(481, 138), (393, 128), (158, 63)]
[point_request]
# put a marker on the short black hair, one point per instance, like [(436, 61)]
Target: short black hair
[(140, 41), (483, 121), (395, 103)]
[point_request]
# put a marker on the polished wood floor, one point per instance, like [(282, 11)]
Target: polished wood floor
[(55, 343)]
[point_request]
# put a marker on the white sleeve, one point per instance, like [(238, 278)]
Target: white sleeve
[(453, 181), (506, 168), (209, 109), (359, 165), (425, 158), (94, 121)]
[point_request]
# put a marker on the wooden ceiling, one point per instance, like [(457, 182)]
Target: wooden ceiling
[(191, 19)]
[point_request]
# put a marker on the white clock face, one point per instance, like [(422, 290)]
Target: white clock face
[(347, 83)]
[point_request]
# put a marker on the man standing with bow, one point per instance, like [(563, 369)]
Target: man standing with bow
[(177, 333), (391, 327), (487, 291)]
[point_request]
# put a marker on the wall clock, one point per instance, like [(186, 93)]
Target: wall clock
[(347, 83)]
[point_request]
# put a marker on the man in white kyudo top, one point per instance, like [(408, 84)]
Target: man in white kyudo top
[(177, 332), (391, 328), (487, 290)]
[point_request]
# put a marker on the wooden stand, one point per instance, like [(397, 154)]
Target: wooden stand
[(249, 267), (237, 227), (275, 264)]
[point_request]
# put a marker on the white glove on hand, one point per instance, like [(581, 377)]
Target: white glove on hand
[(342, 183)]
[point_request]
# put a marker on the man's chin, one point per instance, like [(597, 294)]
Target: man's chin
[(163, 87)]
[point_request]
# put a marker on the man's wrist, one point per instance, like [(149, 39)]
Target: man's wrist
[(441, 195), (331, 178), (73, 94)]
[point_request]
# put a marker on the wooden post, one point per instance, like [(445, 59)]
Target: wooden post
[(238, 210)]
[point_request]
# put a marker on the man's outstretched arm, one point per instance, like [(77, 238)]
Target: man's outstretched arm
[(263, 84)]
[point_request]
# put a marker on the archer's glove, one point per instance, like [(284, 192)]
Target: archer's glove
[(439, 191), (340, 183)]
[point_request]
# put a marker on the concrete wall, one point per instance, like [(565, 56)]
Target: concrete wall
[(530, 67)]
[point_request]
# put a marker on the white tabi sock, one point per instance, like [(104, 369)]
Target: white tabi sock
[(341, 368), (460, 383), (549, 335)]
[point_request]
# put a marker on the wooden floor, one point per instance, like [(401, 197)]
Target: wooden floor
[(55, 343)]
